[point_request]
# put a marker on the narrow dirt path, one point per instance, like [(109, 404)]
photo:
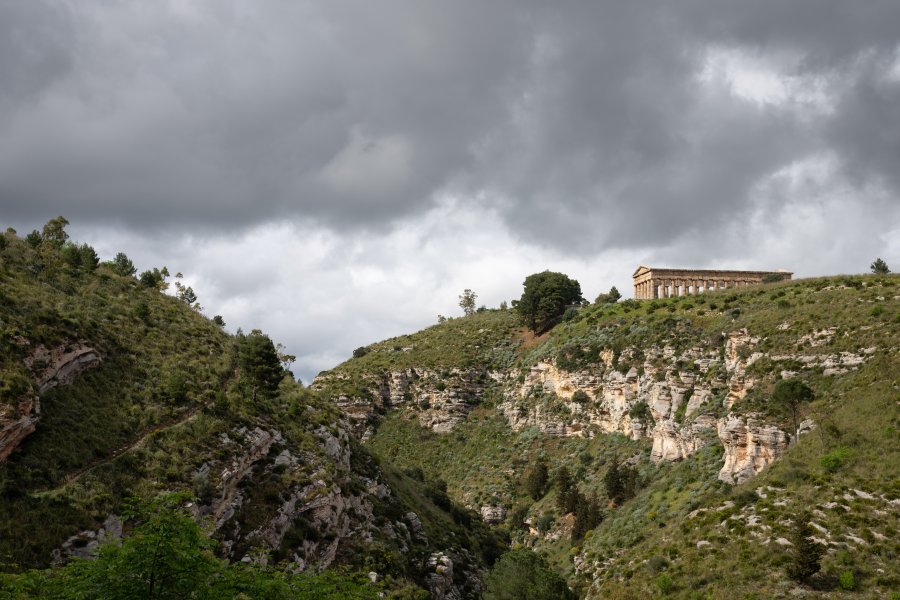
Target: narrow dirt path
[(74, 476)]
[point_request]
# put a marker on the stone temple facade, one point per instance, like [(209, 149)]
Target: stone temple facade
[(652, 282)]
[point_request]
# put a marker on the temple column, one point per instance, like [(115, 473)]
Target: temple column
[(654, 289), (665, 288)]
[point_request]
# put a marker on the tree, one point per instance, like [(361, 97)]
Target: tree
[(88, 257), (805, 554), (286, 359), (155, 279), (259, 363), (789, 394), (620, 481), (467, 301), (879, 267), (611, 297), (545, 298), (563, 481), (123, 265), (536, 480), (523, 575), (587, 516), (218, 320), (55, 231)]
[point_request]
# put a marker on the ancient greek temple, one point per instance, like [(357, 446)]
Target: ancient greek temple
[(651, 282)]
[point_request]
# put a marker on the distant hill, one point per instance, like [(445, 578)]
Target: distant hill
[(692, 401)]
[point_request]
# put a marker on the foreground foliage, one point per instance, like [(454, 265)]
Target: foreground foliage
[(168, 555)]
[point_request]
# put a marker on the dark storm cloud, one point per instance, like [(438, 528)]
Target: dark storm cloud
[(586, 124)]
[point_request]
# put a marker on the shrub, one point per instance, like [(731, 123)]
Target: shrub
[(522, 574), (835, 459), (876, 311), (580, 396), (665, 584), (847, 581)]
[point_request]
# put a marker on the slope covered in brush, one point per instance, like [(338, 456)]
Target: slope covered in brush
[(679, 399), (113, 390)]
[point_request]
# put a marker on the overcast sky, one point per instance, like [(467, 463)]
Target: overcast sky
[(337, 172)]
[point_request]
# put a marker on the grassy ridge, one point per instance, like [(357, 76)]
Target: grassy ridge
[(649, 545)]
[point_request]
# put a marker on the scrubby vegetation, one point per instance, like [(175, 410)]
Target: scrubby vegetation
[(679, 530), (175, 404)]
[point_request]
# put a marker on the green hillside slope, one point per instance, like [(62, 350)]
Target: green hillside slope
[(680, 393), (112, 390)]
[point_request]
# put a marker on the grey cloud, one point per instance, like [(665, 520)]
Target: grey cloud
[(583, 123)]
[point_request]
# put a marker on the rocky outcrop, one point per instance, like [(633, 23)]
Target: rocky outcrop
[(493, 515), (60, 365), (750, 446), (662, 403), (673, 442), (439, 578), (48, 369), (442, 399)]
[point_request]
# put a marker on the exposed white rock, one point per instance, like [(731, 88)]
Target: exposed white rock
[(750, 446)]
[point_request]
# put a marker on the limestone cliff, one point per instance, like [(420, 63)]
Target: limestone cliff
[(48, 368), (441, 398)]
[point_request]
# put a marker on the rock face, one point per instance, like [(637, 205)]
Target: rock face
[(441, 399), (49, 368), (648, 396), (679, 397), (16, 423), (493, 515), (750, 446)]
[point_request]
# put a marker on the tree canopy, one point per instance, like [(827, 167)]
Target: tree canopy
[(879, 267), (523, 575), (545, 298), (259, 363)]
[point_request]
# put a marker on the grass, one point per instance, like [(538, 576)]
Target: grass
[(799, 326)]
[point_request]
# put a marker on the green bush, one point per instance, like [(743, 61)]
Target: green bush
[(665, 584), (835, 459), (847, 581), (523, 575)]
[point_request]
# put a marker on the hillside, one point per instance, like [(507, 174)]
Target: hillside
[(114, 391), (677, 394)]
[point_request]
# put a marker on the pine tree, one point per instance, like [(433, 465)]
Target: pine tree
[(879, 267), (536, 480), (805, 553)]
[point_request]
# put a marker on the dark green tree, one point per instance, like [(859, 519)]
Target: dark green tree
[(545, 298), (611, 297), (123, 265), (259, 364), (805, 554), (879, 267), (155, 279), (536, 480), (563, 483), (89, 258), (620, 481), (218, 320), (523, 575), (587, 516), (34, 238), (790, 394)]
